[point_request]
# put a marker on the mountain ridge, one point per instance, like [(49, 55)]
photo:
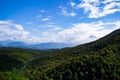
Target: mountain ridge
[(50, 45), (104, 49)]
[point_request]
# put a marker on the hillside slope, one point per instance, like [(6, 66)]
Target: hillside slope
[(111, 40), (14, 60), (82, 58)]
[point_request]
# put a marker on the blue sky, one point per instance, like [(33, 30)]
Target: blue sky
[(69, 21)]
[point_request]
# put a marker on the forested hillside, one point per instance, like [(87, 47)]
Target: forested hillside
[(98, 60)]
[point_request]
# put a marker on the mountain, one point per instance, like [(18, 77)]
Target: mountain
[(51, 45), (8, 43), (4, 43), (15, 44), (97, 60)]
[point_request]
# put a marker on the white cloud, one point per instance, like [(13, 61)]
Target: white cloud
[(45, 19), (19, 27), (15, 32), (97, 8), (78, 33), (50, 27), (107, 1), (72, 14), (40, 17), (82, 32), (72, 4), (65, 12), (53, 27)]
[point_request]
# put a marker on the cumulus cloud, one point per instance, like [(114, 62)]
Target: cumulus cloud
[(78, 33), (14, 32), (99, 8), (82, 32), (72, 4), (65, 12)]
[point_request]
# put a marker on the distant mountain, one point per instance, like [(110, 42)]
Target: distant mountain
[(5, 43), (15, 44), (8, 43), (51, 45)]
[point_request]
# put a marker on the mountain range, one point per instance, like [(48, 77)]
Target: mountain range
[(52, 45)]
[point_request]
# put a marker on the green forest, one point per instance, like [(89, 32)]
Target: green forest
[(97, 60)]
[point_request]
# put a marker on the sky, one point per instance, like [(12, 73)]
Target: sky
[(68, 21)]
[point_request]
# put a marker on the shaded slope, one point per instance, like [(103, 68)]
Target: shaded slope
[(112, 40), (97, 66), (105, 49), (11, 58), (7, 63), (101, 62), (14, 60)]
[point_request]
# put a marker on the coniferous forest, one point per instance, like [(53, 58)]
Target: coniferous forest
[(97, 60)]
